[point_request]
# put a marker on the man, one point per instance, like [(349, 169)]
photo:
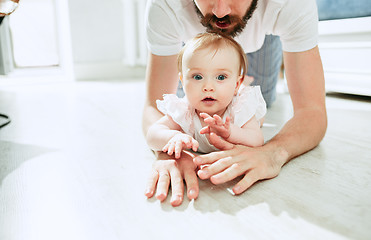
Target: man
[(7, 7), (251, 23)]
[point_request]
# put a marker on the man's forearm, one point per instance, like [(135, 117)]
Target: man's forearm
[(300, 134), (149, 117)]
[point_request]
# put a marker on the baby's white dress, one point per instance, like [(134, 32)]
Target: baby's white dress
[(249, 102)]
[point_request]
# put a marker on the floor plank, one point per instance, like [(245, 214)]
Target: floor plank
[(74, 163)]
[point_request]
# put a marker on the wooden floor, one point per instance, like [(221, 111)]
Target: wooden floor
[(73, 165)]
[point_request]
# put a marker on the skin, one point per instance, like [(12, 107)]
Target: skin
[(207, 75), (209, 67), (300, 134)]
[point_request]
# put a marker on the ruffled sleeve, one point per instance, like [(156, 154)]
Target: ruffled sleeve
[(178, 109), (248, 103)]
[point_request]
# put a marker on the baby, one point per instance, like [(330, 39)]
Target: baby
[(211, 68)]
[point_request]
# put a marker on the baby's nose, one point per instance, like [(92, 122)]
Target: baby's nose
[(208, 87)]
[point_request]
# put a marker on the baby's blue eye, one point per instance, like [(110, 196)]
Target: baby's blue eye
[(197, 77), (221, 77)]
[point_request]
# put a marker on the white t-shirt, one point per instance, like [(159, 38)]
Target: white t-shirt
[(169, 23)]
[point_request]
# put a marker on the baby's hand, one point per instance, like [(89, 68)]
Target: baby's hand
[(179, 142), (216, 125)]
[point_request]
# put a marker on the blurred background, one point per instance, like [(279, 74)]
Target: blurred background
[(48, 40), (77, 39)]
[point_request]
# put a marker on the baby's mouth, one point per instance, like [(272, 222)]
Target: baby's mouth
[(208, 99)]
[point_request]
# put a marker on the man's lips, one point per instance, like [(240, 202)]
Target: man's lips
[(222, 24)]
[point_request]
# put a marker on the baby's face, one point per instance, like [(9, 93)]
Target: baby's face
[(211, 78)]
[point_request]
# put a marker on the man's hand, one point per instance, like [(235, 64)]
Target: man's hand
[(167, 171), (179, 142), (216, 125), (236, 160)]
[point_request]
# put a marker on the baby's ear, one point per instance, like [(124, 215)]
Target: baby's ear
[(238, 84)]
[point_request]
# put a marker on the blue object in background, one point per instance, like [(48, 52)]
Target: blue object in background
[(340, 9)]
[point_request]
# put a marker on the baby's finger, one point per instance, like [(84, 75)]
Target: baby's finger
[(171, 148), (218, 120), (165, 148), (178, 149), (204, 115), (205, 130), (188, 142), (227, 121), (194, 145), (207, 118)]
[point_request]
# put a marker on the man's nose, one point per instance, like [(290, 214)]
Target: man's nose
[(221, 8)]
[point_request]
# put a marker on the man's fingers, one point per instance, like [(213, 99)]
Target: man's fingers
[(246, 182), (228, 174), (220, 143), (151, 184), (209, 158), (163, 186), (177, 187), (215, 168), (192, 183)]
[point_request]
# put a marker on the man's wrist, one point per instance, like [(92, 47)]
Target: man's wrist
[(279, 154)]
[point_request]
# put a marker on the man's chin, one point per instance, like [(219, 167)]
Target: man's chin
[(226, 31)]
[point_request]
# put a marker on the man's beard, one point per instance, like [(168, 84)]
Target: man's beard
[(209, 21)]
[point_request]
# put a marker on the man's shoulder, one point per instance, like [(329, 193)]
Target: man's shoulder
[(174, 5), (272, 4)]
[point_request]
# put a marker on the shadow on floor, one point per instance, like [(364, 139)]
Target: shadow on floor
[(350, 97), (13, 155)]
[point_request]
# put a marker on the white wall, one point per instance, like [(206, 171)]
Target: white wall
[(345, 47), (98, 39)]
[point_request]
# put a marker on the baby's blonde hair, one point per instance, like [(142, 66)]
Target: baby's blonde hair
[(215, 41)]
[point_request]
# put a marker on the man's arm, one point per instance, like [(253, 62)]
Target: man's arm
[(300, 134), (306, 85), (161, 78)]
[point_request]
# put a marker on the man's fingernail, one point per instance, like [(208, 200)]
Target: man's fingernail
[(192, 192), (147, 192), (203, 171), (237, 189), (176, 199)]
